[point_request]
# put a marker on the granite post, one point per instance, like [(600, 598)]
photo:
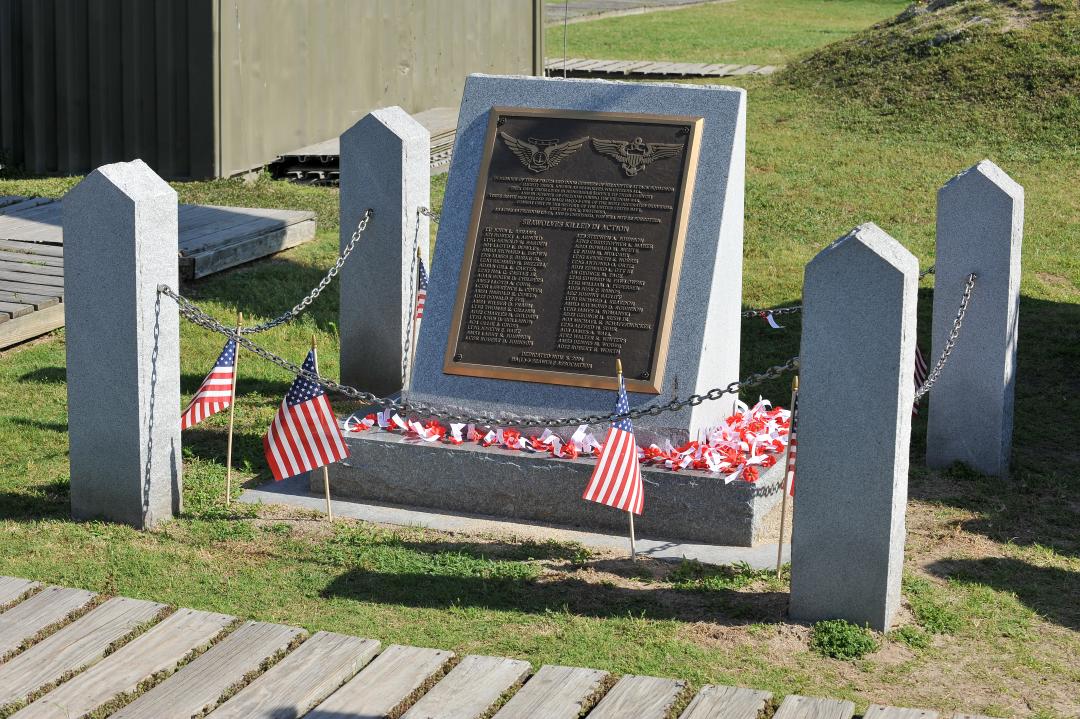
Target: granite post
[(123, 346), (855, 395), (980, 226), (385, 166)]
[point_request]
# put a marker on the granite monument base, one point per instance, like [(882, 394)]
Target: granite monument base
[(687, 505)]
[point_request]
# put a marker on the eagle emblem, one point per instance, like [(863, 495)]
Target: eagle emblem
[(540, 155), (637, 155)]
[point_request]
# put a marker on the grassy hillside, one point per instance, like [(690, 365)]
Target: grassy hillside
[(769, 32), (1005, 68)]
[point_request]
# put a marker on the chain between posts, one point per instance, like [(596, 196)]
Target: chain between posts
[(428, 212), (798, 308), (954, 334), (313, 295), (193, 314)]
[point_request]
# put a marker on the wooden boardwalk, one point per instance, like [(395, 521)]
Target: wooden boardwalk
[(32, 253), (584, 67), (66, 653)]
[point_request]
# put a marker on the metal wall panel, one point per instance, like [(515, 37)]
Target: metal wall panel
[(86, 82), (198, 88), (294, 73)]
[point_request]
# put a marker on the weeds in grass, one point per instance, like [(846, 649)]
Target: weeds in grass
[(839, 639), (929, 609), (912, 636), (692, 574)]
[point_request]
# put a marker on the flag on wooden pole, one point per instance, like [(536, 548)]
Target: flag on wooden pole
[(789, 470), (216, 391), (305, 433), (616, 481), (232, 414), (793, 442), (325, 470)]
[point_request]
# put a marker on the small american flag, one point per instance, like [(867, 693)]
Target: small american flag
[(216, 391), (305, 433), (616, 481), (421, 290), (920, 375), (793, 447)]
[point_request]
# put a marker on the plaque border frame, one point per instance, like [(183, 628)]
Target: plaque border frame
[(655, 383)]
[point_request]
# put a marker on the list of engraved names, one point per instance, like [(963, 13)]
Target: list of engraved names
[(598, 309)]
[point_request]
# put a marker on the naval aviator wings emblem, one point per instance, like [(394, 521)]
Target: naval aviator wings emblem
[(637, 155), (540, 155)]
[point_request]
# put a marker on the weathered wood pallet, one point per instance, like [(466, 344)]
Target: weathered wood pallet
[(211, 239), (191, 663), (584, 67)]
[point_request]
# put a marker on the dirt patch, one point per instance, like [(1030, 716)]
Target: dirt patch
[(1054, 280)]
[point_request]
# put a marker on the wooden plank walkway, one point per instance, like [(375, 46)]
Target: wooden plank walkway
[(583, 67), (13, 588), (73, 648), (129, 658), (714, 702), (639, 697), (211, 239), (158, 650), (47, 607)]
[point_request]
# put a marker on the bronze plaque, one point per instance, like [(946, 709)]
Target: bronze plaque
[(574, 248)]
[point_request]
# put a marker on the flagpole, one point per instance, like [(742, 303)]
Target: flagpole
[(412, 333), (787, 477), (232, 405), (633, 549), (325, 469)]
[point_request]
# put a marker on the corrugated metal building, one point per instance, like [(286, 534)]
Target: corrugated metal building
[(205, 88)]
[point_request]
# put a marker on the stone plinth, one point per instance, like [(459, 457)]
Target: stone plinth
[(687, 505), (855, 396), (123, 363)]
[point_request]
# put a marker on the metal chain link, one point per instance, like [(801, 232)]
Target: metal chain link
[(778, 311), (428, 212), (311, 296), (195, 315), (954, 334)]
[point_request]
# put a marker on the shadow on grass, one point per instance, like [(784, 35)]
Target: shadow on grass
[(1036, 503), (248, 385), (566, 594), (1049, 591), (45, 375), (519, 551), (268, 288), (51, 500), (763, 347), (210, 445), (38, 424)]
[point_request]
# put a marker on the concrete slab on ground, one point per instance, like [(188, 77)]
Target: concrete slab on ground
[(294, 492)]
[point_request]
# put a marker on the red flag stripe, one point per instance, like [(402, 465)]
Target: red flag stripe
[(303, 437), (616, 480)]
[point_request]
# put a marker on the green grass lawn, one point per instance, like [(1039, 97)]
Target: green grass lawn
[(993, 566), (761, 32)]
